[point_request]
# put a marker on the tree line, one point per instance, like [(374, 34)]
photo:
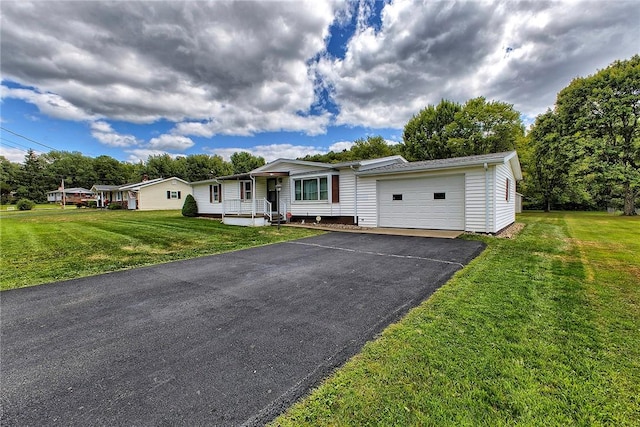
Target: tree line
[(39, 174), (582, 154)]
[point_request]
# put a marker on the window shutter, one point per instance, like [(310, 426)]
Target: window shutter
[(168, 194), (335, 189), (220, 192), (179, 197), (211, 194), (241, 190)]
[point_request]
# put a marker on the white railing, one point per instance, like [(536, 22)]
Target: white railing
[(266, 209), (253, 207), (246, 207)]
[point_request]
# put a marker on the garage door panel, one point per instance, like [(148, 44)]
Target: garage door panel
[(418, 207)]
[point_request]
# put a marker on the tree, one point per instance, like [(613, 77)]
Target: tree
[(190, 207), (109, 171), (601, 113), (76, 169), (371, 148), (453, 130), (9, 178), (482, 127), (243, 161), (426, 135), (199, 167), (32, 177), (549, 171)]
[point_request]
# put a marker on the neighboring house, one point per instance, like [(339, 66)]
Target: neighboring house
[(154, 194), (72, 195), (475, 193), (104, 194)]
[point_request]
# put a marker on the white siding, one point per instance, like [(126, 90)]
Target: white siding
[(505, 210), (292, 168), (347, 187), (201, 194), (367, 202), (475, 199)]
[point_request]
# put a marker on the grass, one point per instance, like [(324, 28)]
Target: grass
[(42, 246), (543, 329)]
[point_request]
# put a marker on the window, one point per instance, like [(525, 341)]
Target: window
[(173, 195), (439, 196), (246, 191), (508, 190), (215, 193), (311, 189), (397, 197)]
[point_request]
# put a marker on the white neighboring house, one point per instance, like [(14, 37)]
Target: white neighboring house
[(475, 193), (154, 194)]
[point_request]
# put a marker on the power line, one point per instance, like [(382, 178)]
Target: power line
[(14, 147), (27, 138), (13, 142)]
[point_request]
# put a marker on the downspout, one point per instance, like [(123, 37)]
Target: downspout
[(486, 198), (355, 200), (253, 199)]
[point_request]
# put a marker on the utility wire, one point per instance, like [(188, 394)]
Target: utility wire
[(27, 138), (13, 142), (14, 147)]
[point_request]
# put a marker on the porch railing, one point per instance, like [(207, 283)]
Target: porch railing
[(253, 207)]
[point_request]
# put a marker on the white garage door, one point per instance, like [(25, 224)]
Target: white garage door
[(433, 203)]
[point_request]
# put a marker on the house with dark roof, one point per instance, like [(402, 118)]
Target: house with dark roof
[(474, 193), (71, 195)]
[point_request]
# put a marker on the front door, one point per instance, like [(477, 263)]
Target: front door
[(272, 193)]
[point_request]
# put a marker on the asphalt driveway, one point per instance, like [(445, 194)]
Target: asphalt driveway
[(231, 339)]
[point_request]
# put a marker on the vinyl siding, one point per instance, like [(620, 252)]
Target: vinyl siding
[(475, 199), (347, 192), (367, 202), (201, 194), (154, 197), (505, 211)]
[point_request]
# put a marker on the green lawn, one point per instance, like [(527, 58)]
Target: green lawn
[(42, 246), (540, 330)]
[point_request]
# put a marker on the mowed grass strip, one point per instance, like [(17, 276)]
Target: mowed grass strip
[(45, 246), (543, 329)]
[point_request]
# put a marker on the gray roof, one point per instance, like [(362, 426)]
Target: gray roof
[(456, 162), (73, 190), (101, 187)]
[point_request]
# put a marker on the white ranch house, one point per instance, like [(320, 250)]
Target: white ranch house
[(475, 193)]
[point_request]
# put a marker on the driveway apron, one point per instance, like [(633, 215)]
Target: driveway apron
[(230, 339)]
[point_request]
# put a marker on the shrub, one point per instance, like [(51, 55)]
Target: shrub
[(25, 205), (92, 204), (190, 207), (114, 206)]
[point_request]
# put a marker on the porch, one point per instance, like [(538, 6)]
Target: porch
[(252, 213)]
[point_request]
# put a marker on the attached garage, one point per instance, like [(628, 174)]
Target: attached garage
[(474, 193), (430, 202)]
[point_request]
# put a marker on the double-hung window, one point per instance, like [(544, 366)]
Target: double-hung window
[(311, 189), (246, 190)]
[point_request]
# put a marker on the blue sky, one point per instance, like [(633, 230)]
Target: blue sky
[(281, 79)]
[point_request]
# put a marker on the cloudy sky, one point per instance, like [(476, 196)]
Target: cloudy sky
[(281, 78)]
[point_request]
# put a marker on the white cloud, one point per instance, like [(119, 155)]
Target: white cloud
[(14, 155), (48, 103), (171, 142), (340, 146), (239, 66), (103, 132), (271, 152), (142, 154), (518, 52)]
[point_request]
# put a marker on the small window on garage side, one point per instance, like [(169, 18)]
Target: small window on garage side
[(439, 196), (397, 197)]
